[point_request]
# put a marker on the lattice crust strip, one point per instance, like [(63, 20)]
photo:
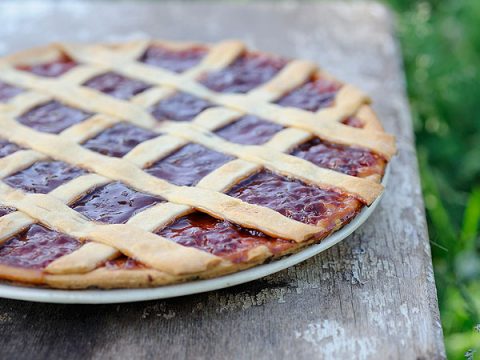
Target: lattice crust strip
[(167, 260)]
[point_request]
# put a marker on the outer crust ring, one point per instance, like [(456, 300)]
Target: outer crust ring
[(140, 278)]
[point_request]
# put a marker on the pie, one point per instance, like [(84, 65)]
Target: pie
[(148, 163)]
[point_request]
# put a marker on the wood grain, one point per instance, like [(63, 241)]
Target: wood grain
[(372, 296)]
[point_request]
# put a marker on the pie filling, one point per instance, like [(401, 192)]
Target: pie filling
[(188, 165), (124, 263), (4, 210), (179, 107), (36, 247), (173, 60), (119, 139), (117, 85), (244, 74), (53, 68), (220, 237), (249, 130), (345, 159), (296, 200), (44, 176), (114, 203), (7, 148), (353, 122), (52, 117), (8, 91), (312, 96)]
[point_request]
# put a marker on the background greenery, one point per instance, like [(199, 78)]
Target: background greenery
[(441, 47)]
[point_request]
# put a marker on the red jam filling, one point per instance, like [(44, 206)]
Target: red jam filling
[(220, 237), (119, 139), (44, 176), (117, 85), (8, 91), (179, 107), (7, 148), (52, 117), (4, 210), (36, 247), (312, 96), (51, 69), (244, 74), (188, 165), (295, 199), (249, 130), (353, 122), (124, 263), (345, 159), (114, 203), (173, 60)]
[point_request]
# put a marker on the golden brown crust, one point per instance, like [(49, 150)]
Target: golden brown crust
[(164, 261)]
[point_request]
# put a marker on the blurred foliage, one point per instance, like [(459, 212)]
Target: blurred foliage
[(441, 46)]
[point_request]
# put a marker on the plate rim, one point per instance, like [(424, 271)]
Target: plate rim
[(117, 296)]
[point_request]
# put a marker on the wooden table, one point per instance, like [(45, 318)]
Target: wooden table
[(372, 296)]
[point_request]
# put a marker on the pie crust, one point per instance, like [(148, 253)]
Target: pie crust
[(150, 162)]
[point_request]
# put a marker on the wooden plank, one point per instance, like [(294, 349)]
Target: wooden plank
[(372, 296)]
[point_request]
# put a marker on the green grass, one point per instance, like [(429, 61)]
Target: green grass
[(441, 46)]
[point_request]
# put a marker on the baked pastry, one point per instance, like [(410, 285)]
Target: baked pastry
[(149, 163)]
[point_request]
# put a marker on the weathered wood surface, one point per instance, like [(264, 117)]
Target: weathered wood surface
[(372, 296)]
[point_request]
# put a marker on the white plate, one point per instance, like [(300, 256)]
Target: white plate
[(194, 287)]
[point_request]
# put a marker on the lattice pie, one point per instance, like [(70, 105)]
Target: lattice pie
[(149, 163)]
